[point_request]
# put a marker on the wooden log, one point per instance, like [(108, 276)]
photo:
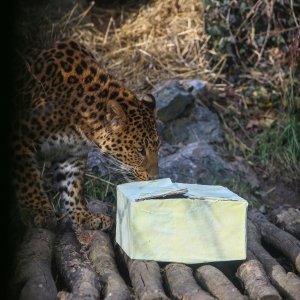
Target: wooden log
[(287, 283), (145, 277), (80, 279), (33, 279), (101, 254), (287, 218), (182, 285), (283, 241), (255, 280), (213, 280)]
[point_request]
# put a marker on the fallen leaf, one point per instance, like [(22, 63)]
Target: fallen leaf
[(266, 122), (252, 123)]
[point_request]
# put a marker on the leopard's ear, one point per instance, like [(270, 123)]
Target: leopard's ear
[(115, 116), (149, 101)]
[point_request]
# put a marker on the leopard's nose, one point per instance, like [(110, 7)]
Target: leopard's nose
[(153, 177)]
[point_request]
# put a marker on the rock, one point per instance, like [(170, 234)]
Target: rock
[(99, 207), (195, 87), (173, 97), (194, 163), (175, 107), (180, 120), (199, 163), (160, 126), (246, 174), (200, 125)]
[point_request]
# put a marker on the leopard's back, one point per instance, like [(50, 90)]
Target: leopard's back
[(65, 71)]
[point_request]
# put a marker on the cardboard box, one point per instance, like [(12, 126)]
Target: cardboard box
[(174, 222)]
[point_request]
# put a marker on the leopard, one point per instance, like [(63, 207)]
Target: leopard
[(70, 105)]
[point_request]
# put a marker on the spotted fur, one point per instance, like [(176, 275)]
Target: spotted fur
[(71, 106)]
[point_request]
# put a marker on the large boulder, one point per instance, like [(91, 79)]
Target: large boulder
[(181, 120), (191, 134), (199, 125), (173, 97), (198, 162)]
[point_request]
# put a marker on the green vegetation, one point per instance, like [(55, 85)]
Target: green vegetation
[(101, 188), (279, 145), (254, 49)]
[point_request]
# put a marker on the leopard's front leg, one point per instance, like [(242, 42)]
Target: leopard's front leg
[(29, 188), (69, 178)]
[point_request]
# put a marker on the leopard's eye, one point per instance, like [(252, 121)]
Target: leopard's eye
[(141, 150)]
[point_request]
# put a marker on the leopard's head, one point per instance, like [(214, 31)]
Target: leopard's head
[(131, 136)]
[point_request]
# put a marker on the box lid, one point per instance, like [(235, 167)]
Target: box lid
[(215, 192), (143, 190)]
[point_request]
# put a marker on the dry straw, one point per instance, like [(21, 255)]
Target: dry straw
[(140, 44)]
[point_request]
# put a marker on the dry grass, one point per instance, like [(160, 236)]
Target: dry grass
[(159, 40)]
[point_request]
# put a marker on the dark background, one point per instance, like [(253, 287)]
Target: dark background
[(7, 85)]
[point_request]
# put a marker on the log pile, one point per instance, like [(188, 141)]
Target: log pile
[(89, 266)]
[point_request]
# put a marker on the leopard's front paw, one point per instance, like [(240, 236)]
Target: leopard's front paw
[(102, 222)]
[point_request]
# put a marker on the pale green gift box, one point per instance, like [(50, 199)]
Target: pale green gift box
[(175, 222)]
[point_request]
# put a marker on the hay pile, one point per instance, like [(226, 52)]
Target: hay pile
[(140, 44)]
